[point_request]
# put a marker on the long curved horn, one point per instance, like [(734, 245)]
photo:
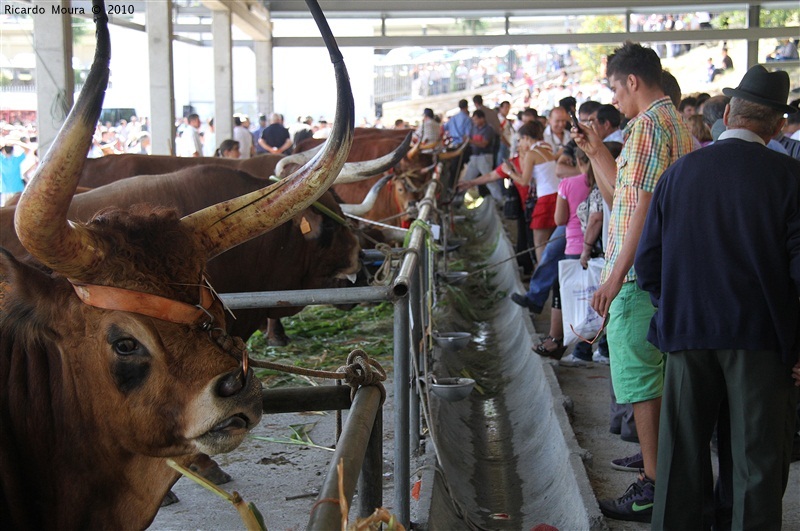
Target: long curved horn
[(227, 224), (297, 158), (41, 217), (369, 201), (359, 171), (447, 155)]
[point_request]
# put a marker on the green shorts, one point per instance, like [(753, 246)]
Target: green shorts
[(637, 367)]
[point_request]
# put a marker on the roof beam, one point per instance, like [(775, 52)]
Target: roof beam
[(250, 17), (432, 41), (472, 8)]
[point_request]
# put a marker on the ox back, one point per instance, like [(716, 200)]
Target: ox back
[(106, 170)]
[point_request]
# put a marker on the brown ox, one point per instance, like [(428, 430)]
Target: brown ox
[(407, 186), (118, 359)]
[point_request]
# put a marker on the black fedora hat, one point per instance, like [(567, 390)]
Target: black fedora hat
[(763, 87)]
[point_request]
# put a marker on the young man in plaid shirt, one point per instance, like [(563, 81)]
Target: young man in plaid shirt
[(655, 137)]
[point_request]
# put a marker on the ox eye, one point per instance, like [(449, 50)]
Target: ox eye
[(126, 346)]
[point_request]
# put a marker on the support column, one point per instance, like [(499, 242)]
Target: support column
[(158, 20), (264, 77), (55, 82), (753, 21), (223, 74)]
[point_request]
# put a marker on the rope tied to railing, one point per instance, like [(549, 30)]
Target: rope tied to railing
[(361, 370), (383, 275)]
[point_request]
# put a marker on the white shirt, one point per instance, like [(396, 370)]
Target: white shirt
[(209, 143), (616, 136), (742, 134), (189, 142), (555, 142), (245, 139)]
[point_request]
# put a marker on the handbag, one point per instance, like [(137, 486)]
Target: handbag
[(577, 287), (512, 209)]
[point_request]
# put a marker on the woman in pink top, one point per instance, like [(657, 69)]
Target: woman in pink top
[(572, 191)]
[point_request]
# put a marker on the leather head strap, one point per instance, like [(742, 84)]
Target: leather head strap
[(110, 298)]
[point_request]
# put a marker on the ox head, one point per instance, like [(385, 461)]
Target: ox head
[(324, 224), (131, 336)]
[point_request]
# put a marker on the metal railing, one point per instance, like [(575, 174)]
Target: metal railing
[(360, 443)]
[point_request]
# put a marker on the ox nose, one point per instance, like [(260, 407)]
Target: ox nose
[(232, 383)]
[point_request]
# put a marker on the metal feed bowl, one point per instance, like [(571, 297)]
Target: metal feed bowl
[(452, 340), (452, 389)]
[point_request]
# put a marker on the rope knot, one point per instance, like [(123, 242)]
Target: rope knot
[(362, 370)]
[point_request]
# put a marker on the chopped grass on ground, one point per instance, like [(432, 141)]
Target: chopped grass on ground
[(322, 337)]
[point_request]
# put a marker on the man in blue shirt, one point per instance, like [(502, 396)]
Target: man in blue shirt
[(459, 126), (457, 129), (11, 170)]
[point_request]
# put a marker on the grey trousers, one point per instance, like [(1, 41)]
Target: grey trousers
[(761, 401)]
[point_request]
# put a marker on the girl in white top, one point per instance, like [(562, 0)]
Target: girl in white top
[(539, 162)]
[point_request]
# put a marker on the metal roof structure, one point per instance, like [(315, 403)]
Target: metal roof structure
[(255, 18)]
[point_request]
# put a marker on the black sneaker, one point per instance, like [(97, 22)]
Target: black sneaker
[(636, 505), (523, 301), (632, 463)]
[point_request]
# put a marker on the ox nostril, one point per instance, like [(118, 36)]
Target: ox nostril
[(231, 383)]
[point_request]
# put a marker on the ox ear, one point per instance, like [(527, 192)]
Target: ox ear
[(22, 287), (309, 223)]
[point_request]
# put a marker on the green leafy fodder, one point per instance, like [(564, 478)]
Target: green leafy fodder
[(322, 337)]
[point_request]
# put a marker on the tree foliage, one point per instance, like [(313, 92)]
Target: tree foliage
[(589, 56), (769, 18), (472, 26)]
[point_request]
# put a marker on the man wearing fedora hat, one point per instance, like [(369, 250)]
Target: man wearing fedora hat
[(720, 257)]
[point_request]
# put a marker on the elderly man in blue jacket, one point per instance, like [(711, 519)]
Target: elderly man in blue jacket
[(720, 257)]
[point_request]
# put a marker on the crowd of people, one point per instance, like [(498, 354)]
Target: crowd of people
[(269, 135), (700, 198)]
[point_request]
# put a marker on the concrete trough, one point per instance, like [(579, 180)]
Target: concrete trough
[(509, 456)]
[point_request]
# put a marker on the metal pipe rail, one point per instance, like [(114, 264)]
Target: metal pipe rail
[(351, 450), (306, 297)]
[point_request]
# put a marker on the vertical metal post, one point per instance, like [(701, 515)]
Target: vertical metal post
[(370, 482), (402, 464), (415, 300)]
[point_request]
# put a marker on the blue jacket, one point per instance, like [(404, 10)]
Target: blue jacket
[(720, 251)]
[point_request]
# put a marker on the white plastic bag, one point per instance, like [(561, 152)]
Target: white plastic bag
[(577, 287)]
